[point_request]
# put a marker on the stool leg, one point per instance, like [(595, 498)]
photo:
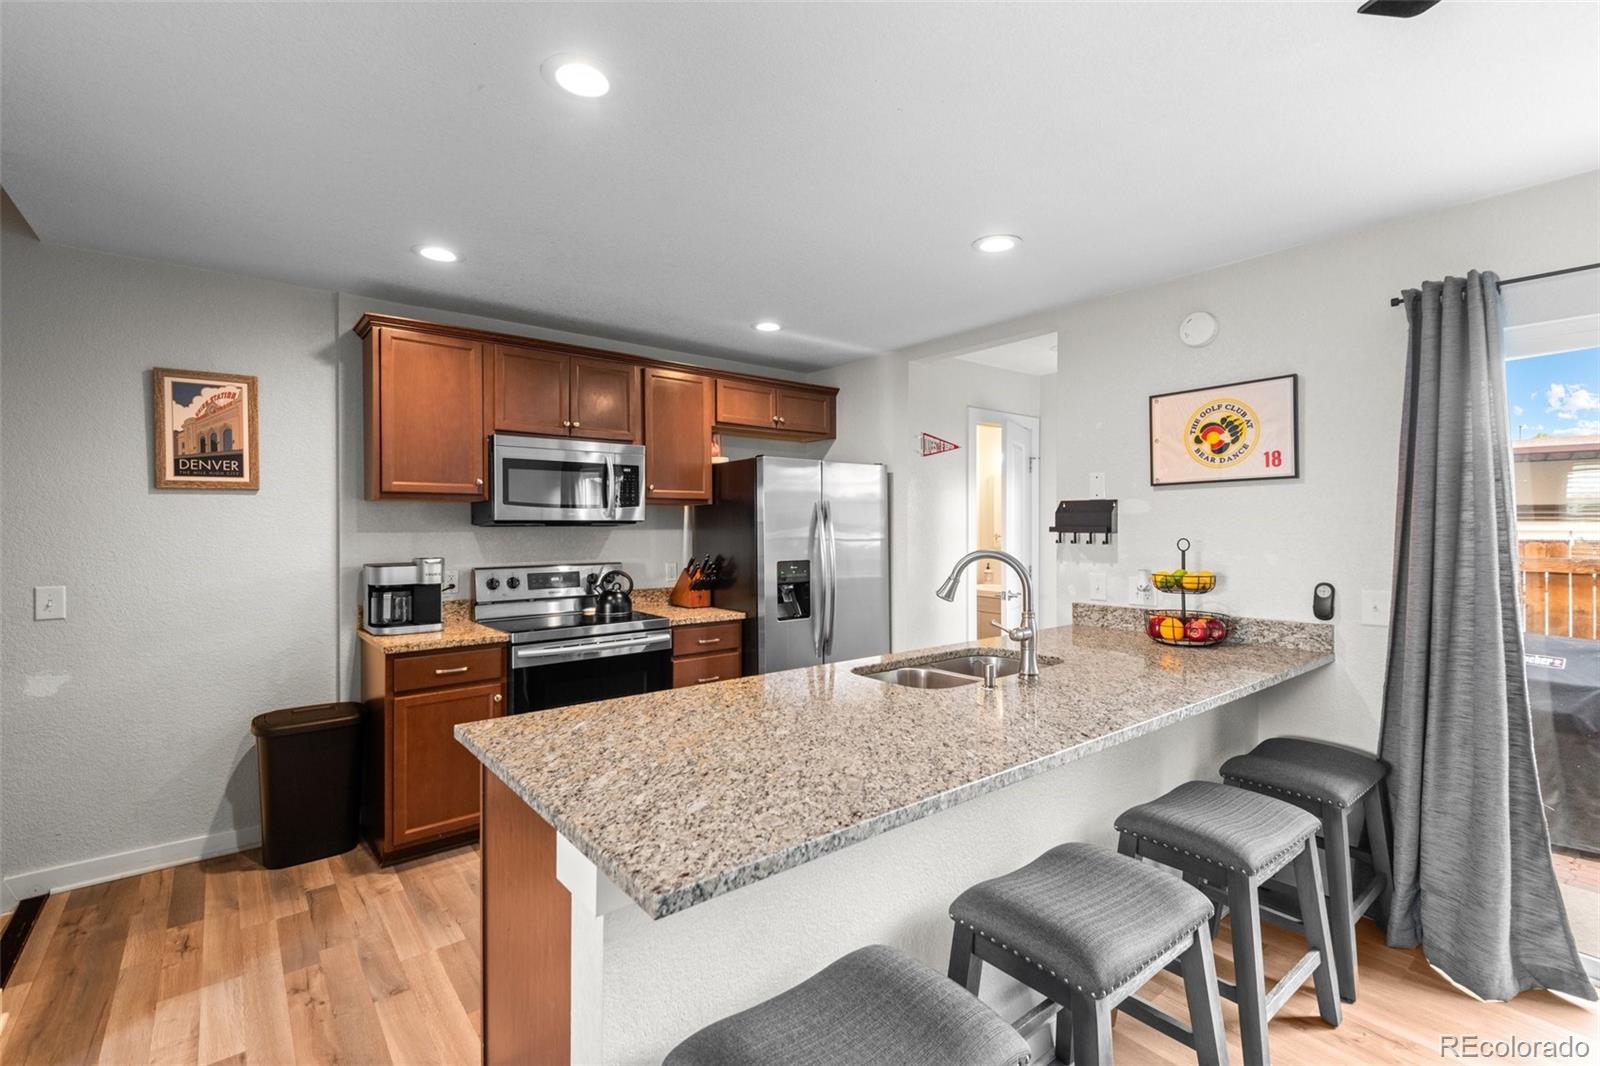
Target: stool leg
[(1064, 1035), (1378, 844), (1314, 919), (1205, 1008), (1091, 1031), (1248, 973), (1127, 845), (966, 969), (1341, 895)]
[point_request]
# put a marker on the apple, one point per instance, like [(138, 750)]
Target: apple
[(1153, 624), (1196, 629), (1215, 629)]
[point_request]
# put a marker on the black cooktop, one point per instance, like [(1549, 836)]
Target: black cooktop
[(569, 626)]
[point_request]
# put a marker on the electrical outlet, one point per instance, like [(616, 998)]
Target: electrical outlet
[(1374, 607), (1097, 486), (1140, 591), (452, 582), (49, 602), (1097, 587)]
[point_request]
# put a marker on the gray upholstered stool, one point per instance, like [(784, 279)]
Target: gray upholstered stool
[(872, 1007), (1086, 927), (1230, 842), (1338, 786)]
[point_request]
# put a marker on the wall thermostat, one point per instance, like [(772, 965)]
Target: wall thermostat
[(1198, 329), (1322, 601)]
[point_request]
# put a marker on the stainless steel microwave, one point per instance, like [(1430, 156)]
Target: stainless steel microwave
[(548, 481)]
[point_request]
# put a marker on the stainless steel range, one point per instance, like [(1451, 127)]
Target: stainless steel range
[(565, 648)]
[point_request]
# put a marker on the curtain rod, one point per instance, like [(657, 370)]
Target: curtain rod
[(1398, 300)]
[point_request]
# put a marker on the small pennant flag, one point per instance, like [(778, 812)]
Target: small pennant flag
[(931, 445)]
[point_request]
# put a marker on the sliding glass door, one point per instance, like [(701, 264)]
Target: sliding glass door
[(1554, 411)]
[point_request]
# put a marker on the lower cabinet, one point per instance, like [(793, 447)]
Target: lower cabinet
[(422, 789), (706, 653)]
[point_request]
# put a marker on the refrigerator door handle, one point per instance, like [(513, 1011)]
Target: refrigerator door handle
[(817, 604), (831, 546)]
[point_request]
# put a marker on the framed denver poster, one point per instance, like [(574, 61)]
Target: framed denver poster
[(1243, 431), (206, 432)]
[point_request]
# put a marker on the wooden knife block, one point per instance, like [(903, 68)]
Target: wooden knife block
[(684, 596)]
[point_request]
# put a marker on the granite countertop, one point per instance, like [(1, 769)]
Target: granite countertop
[(460, 631), (684, 795), (654, 601)]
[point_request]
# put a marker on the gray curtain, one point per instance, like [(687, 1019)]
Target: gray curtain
[(1474, 883)]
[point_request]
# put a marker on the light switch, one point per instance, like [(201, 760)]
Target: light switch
[(1097, 586), (1374, 607), (1097, 486), (49, 602)]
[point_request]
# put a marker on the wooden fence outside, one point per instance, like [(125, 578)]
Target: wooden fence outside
[(1561, 587)]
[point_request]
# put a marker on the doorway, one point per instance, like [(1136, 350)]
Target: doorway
[(1003, 513)]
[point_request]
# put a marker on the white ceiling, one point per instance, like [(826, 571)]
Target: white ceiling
[(1030, 355), (826, 165)]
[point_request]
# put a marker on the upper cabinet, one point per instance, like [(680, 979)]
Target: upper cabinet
[(424, 414), (677, 431), (774, 409), (549, 392), (436, 393)]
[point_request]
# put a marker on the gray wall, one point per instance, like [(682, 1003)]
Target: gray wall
[(126, 726)]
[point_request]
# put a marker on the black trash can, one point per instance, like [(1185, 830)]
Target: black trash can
[(310, 764)]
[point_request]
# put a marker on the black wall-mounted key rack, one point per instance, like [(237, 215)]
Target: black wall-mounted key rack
[(1079, 517)]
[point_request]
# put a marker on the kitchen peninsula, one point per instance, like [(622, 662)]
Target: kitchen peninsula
[(616, 834)]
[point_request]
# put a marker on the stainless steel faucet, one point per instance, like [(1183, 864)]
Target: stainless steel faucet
[(1023, 634)]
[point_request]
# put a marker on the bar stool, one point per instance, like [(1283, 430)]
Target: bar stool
[(1086, 928), (1337, 785), (1231, 841), (873, 1006)]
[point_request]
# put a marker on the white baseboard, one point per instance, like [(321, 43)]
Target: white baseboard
[(124, 864)]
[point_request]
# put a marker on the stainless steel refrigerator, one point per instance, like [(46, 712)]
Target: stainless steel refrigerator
[(809, 546)]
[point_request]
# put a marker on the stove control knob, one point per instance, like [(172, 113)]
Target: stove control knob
[(492, 583), (513, 582)]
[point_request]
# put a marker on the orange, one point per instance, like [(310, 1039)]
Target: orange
[(1172, 629)]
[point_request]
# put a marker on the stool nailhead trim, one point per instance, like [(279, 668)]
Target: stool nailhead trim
[(1094, 995), (1272, 865), (1290, 791)]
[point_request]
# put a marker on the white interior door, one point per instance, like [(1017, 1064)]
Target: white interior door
[(1021, 476)]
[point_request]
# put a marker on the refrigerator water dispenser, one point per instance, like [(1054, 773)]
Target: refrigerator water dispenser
[(794, 589)]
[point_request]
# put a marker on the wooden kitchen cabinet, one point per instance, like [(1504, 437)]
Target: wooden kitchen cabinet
[(706, 653), (773, 409), (434, 394), (424, 415), (422, 787), (677, 436), (556, 394), (531, 391)]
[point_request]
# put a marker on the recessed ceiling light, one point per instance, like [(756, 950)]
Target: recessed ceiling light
[(769, 326), (995, 243), (437, 252), (576, 75)]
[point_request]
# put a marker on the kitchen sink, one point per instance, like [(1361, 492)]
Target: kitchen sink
[(921, 677), (972, 665)]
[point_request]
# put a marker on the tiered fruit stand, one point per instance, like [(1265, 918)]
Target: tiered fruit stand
[(1186, 628)]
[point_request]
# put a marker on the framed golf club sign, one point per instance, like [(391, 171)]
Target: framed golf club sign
[(1241, 431), (206, 430)]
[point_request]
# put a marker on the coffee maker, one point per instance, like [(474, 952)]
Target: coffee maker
[(403, 597)]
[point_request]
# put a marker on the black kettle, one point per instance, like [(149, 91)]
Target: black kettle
[(611, 599)]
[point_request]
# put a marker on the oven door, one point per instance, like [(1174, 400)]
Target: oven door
[(539, 480), (561, 673)]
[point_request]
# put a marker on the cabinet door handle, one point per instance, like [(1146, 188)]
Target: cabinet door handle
[(567, 422), (480, 482), (441, 671), (498, 697), (709, 640), (577, 425), (652, 488), (708, 680), (783, 421)]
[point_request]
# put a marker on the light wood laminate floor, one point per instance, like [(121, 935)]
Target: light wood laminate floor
[(341, 961)]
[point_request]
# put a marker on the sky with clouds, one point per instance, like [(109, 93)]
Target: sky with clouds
[(1555, 395)]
